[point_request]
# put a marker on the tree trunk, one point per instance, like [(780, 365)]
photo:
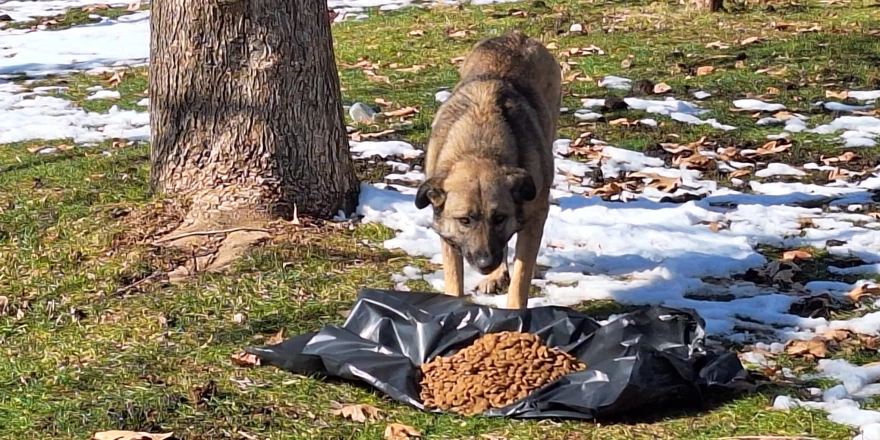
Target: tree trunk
[(245, 107), (711, 5)]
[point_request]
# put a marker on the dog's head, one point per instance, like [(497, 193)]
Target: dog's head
[(477, 209)]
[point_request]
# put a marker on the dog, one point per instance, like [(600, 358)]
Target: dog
[(489, 164)]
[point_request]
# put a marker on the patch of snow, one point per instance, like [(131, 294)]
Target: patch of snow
[(104, 94), (757, 105), (779, 169), (616, 83), (442, 96), (383, 149), (701, 94), (586, 115)]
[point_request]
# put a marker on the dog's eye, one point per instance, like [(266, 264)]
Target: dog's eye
[(465, 221), (498, 219)]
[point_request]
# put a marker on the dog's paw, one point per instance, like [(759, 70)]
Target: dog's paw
[(494, 283)]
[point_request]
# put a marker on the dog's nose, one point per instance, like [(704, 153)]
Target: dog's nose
[(483, 261)]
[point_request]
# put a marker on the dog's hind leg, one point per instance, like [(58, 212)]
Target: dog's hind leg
[(496, 281), (528, 242), (453, 271)]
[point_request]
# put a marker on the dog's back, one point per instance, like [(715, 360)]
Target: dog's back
[(504, 108)]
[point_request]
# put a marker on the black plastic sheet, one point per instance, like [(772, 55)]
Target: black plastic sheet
[(650, 357)]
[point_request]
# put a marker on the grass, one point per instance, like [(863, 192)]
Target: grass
[(85, 355)]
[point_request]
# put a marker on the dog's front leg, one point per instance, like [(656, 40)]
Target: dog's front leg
[(453, 270), (528, 242)]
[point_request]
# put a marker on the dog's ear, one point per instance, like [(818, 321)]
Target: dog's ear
[(431, 193), (522, 186)]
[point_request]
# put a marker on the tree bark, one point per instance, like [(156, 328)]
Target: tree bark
[(246, 112), (711, 5)]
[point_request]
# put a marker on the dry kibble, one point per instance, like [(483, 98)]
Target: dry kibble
[(495, 371)]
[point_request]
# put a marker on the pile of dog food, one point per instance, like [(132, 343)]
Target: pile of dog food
[(497, 370)]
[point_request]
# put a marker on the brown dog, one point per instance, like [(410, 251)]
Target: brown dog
[(489, 163)]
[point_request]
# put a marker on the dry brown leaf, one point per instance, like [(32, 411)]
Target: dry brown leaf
[(415, 68), (92, 8), (416, 33), (814, 28), (456, 60), (609, 189), (843, 158), (382, 102), (796, 255), (740, 173), (695, 161), (35, 150), (458, 34), (814, 347), (781, 25), (4, 303), (705, 70), (667, 184), (493, 437), (750, 40), (772, 91), (372, 77), (661, 88), (874, 215), (621, 121), (277, 338), (399, 431), (772, 147), (403, 112), (835, 335), (552, 45), (245, 359), (133, 7), (863, 290), (717, 45), (837, 95), (130, 435), (837, 174), (357, 412)]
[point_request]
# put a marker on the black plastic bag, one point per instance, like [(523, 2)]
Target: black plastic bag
[(646, 358)]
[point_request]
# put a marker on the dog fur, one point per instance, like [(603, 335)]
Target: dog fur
[(489, 163)]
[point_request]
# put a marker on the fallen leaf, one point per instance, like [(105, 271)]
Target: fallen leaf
[(4, 303), (786, 276), (772, 147), (458, 34), (717, 45), (843, 158), (416, 33), (661, 88), (356, 412), (667, 184), (92, 8), (863, 290), (133, 6), (245, 359), (740, 173), (874, 215), (277, 338), (609, 189), (781, 25), (456, 60), (373, 77), (750, 40), (705, 70), (65, 147), (383, 102), (815, 347), (399, 431), (621, 121), (772, 91), (837, 174), (695, 161), (415, 68), (815, 28), (493, 437), (239, 318), (406, 111), (835, 335), (837, 95), (130, 435), (796, 255)]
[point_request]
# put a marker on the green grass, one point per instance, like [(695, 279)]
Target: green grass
[(86, 356)]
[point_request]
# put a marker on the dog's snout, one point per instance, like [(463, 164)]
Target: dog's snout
[(484, 262)]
